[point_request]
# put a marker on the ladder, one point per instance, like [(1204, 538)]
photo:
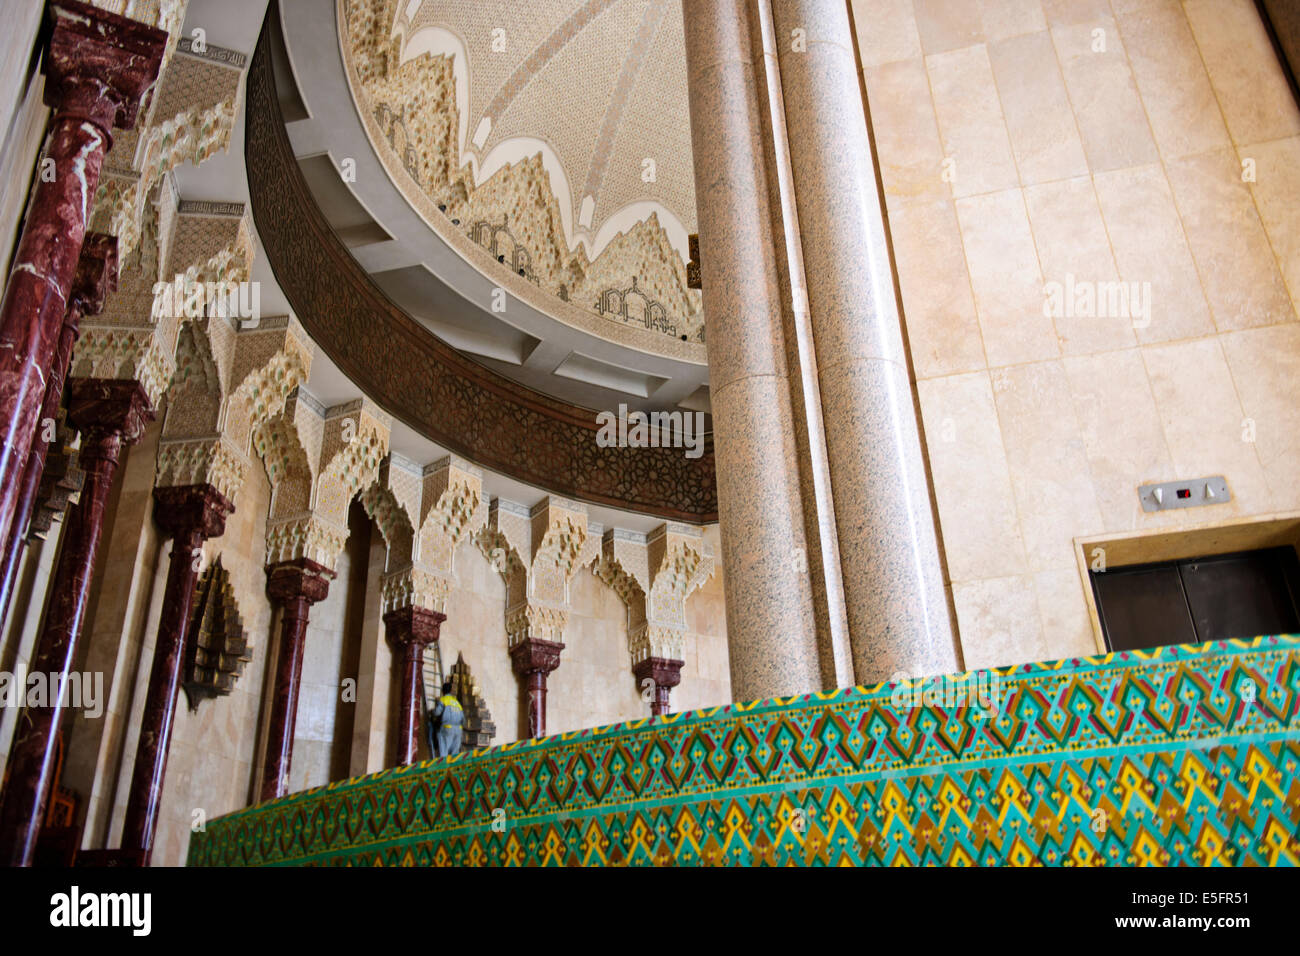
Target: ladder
[(432, 691)]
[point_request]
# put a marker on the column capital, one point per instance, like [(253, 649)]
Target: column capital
[(115, 405), (533, 655), (411, 625), (192, 508), (664, 671), (100, 66), (96, 276), (300, 578)]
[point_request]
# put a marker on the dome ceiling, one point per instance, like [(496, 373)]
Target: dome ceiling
[(557, 139)]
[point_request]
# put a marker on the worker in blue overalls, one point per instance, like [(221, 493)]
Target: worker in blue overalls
[(447, 718)]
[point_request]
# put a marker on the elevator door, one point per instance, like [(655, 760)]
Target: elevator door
[(1199, 599)]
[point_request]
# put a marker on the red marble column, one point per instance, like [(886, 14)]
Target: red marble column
[(190, 515), (110, 413), (410, 630), (533, 660), (99, 66), (96, 278), (665, 673), (293, 586)]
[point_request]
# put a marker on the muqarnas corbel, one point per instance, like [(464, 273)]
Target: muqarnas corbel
[(217, 649)]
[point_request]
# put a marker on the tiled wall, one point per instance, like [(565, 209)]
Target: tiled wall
[(1025, 141), (1147, 771)]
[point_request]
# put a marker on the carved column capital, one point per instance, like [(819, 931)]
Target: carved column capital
[(412, 626), (101, 408), (535, 622), (664, 674), (190, 509), (414, 587), (535, 656), (96, 276), (409, 630), (298, 579), (100, 66), (533, 659), (663, 671)]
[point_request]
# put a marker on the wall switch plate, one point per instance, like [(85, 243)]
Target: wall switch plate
[(1185, 494)]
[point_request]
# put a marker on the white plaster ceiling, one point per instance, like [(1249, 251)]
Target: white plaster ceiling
[(595, 365), (597, 86), (235, 24)]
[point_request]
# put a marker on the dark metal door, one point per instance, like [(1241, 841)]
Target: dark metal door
[(1199, 599)]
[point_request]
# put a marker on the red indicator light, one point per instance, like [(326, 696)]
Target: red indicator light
[(1184, 492)]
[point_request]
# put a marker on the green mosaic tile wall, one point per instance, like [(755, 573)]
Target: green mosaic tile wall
[(1176, 756)]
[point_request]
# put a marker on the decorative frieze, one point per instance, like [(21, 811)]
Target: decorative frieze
[(211, 461), (317, 464), (212, 53), (415, 587), (112, 352), (654, 574), (307, 537), (537, 551), (202, 207)]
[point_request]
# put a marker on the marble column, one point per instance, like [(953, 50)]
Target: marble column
[(98, 68), (664, 674), (893, 581), (772, 637), (410, 630), (190, 515), (95, 279), (293, 586), (111, 414), (533, 659)]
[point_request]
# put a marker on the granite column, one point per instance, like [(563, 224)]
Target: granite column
[(889, 554), (772, 637)]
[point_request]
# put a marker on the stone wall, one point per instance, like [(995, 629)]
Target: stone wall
[(215, 757), (1024, 143), (217, 750), (22, 117)]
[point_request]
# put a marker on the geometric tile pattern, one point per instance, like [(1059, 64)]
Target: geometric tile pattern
[(1176, 756)]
